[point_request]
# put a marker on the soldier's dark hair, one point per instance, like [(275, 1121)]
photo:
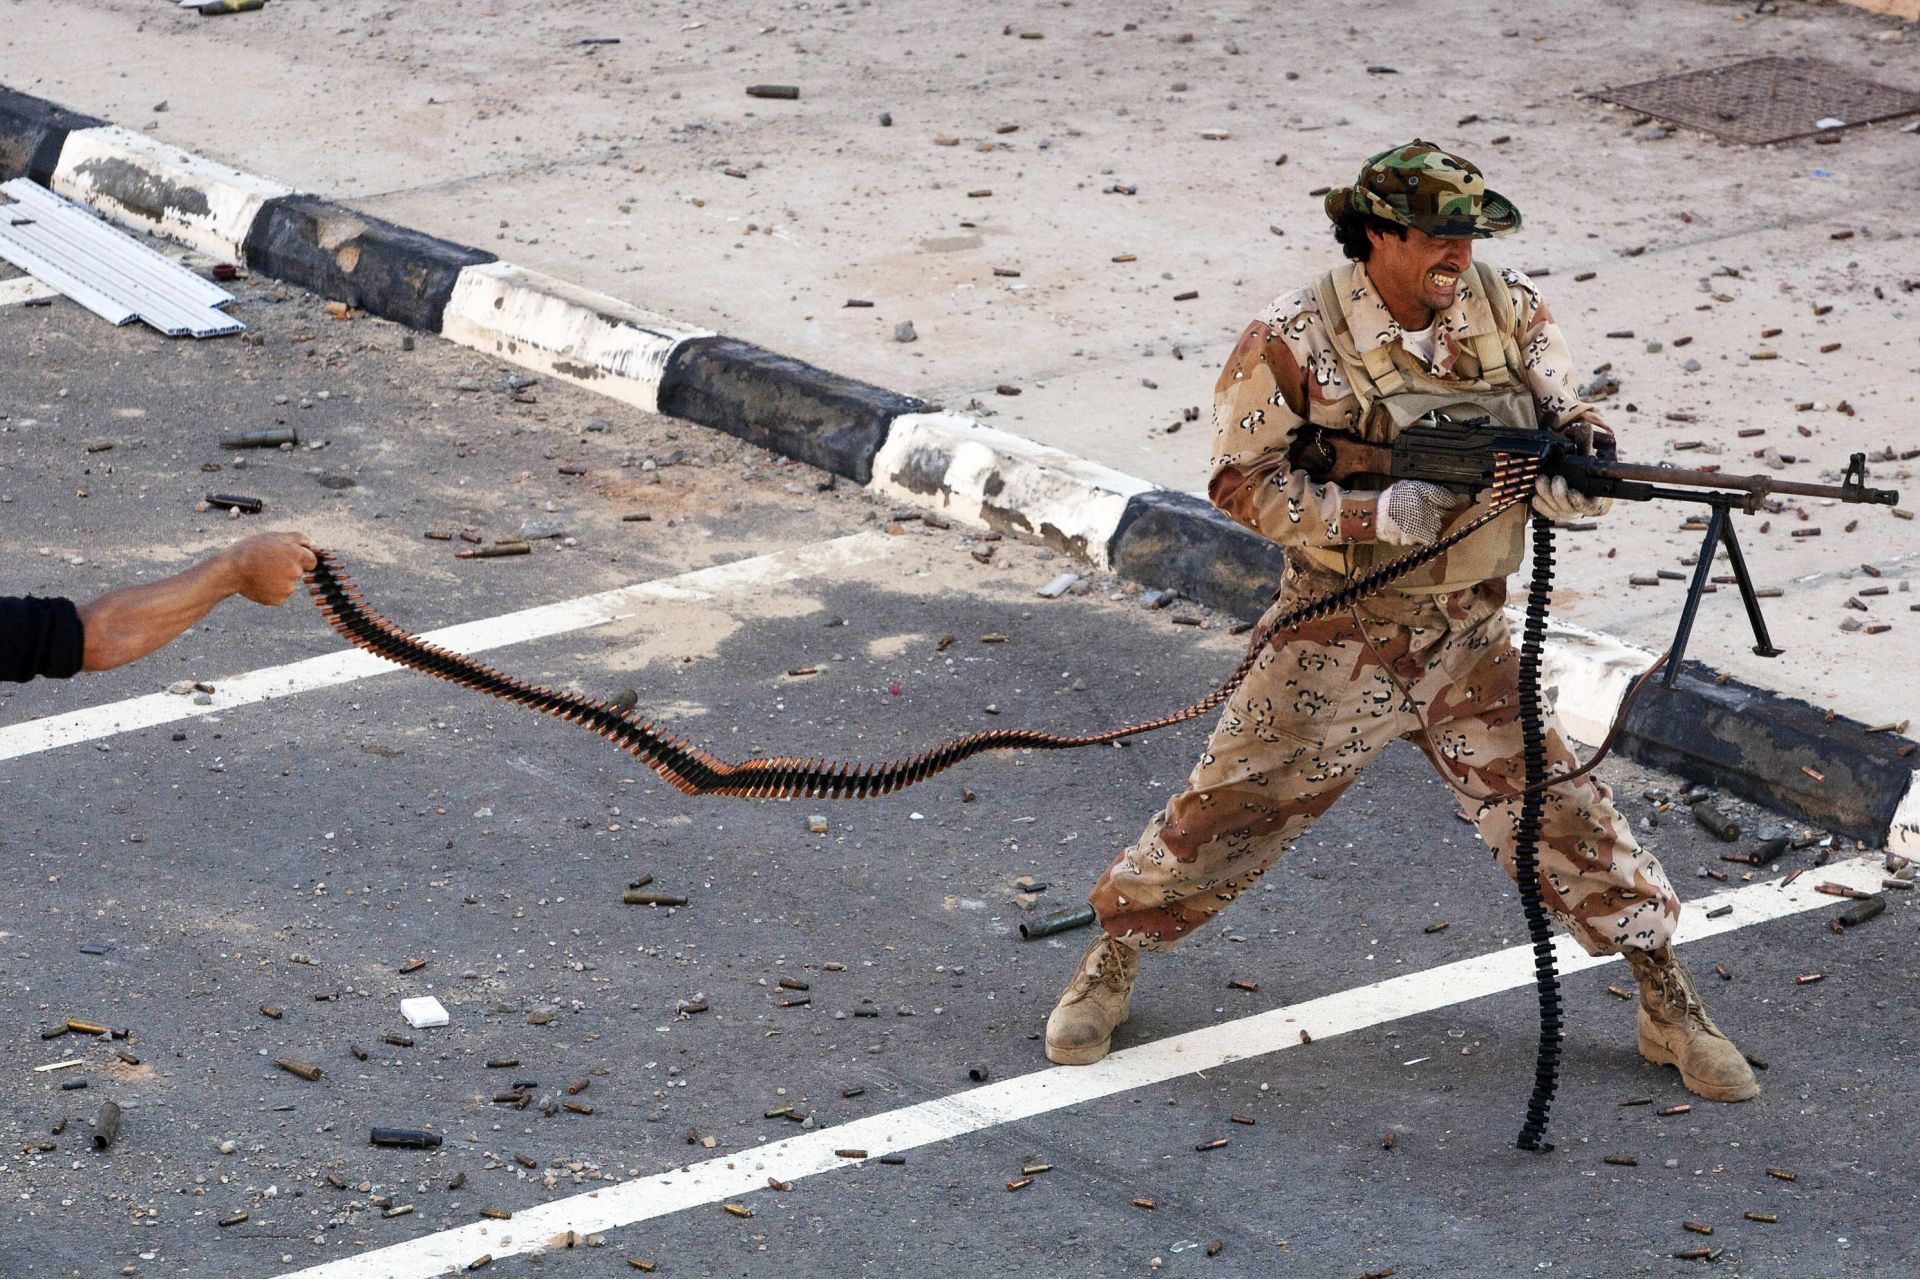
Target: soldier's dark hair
[(1351, 228)]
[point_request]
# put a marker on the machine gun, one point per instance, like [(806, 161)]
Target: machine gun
[(1473, 454), (1461, 453)]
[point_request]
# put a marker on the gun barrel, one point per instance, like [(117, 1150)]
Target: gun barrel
[(1758, 485)]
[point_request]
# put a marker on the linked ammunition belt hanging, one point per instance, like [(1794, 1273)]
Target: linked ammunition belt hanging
[(696, 772)]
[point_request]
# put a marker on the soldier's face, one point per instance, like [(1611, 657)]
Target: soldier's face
[(1420, 273)]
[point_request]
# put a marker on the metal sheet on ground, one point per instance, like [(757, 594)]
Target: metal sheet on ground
[(105, 269)]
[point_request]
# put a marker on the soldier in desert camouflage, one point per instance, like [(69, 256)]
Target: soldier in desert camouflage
[(1410, 324)]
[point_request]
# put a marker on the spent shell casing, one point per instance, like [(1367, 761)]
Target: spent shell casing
[(495, 550), (1620, 1161), (398, 1041), (481, 1262), (411, 1138), (793, 983), (1860, 912), (305, 1070), (53, 1032), (1684, 1108), (774, 1183), (1019, 1183), (106, 1126), (1698, 1227), (236, 502), (1768, 1217), (126, 1056), (1144, 1202), (1033, 1170), (1783, 1174), (1243, 1119), (1723, 972), (398, 1210), (640, 1264), (978, 1072), (1720, 911), (577, 1107), (359, 1053), (1249, 986), (496, 1214), (233, 1219), (1722, 826), (894, 1160), (502, 1063), (1693, 1254), (73, 1085), (458, 1180), (79, 1027), (577, 1087), (1059, 921), (526, 1161), (638, 897), (1807, 979), (268, 1010), (787, 92), (851, 1092), (737, 1210), (271, 437), (1840, 890), (850, 1154), (1218, 1142), (1770, 852)]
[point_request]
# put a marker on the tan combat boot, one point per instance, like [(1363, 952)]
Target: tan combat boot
[(1080, 1028), (1676, 1031)]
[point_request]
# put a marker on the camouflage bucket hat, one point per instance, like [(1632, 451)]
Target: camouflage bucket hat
[(1430, 190)]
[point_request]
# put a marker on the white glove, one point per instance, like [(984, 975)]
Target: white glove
[(1412, 512), (1553, 499)]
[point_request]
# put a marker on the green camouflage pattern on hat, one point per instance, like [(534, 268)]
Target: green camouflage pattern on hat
[(1420, 186)]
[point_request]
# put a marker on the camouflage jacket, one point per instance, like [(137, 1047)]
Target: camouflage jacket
[(1284, 374)]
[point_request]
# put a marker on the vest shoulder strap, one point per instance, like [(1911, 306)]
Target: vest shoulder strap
[(1372, 372), (1501, 363)]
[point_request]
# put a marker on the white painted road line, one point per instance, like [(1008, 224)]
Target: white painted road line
[(732, 1176), (825, 559)]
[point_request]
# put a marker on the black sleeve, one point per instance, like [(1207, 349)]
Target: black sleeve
[(39, 637)]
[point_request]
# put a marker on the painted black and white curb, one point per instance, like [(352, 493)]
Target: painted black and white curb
[(1830, 771)]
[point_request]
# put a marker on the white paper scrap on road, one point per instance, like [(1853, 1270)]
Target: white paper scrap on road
[(424, 1012), (104, 269)]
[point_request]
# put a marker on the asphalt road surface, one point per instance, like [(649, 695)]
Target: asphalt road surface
[(264, 874)]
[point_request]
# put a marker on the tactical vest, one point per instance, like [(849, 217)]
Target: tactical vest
[(1395, 390)]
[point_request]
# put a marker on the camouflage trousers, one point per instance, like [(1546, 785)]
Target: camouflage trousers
[(1317, 708)]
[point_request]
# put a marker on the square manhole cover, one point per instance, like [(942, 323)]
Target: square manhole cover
[(1766, 99)]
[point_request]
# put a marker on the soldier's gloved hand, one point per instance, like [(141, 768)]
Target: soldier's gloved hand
[(1412, 512), (1553, 499)]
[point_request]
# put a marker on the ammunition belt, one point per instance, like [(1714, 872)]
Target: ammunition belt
[(696, 772)]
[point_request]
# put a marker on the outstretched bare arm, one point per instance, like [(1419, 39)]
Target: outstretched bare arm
[(124, 625)]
